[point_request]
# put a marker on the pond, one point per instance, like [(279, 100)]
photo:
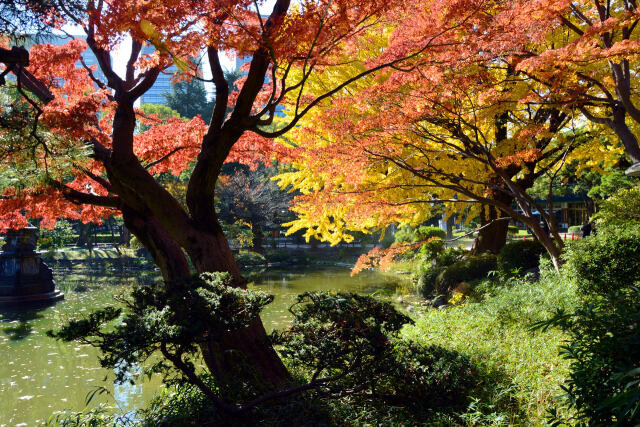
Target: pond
[(40, 376)]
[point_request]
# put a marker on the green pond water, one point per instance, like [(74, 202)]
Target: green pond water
[(40, 376)]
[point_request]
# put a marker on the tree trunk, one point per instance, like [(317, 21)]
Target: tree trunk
[(555, 251), (493, 236), (628, 139), (243, 355), (125, 235), (449, 224), (246, 353), (83, 237), (257, 237), (165, 251)]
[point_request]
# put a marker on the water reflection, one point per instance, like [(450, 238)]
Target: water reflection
[(20, 322)]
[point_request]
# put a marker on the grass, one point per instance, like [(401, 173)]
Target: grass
[(521, 371), (77, 254)]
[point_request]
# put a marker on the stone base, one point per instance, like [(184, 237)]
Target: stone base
[(45, 298), (634, 170)]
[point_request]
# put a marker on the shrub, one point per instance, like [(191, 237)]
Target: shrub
[(62, 234), (431, 248), (623, 208), (426, 232), (426, 283), (513, 230), (472, 268), (519, 256), (186, 406), (430, 268), (604, 350), (519, 370), (45, 242), (246, 258), (604, 340), (450, 256), (353, 339), (428, 375), (176, 319), (406, 234), (135, 243), (606, 262), (409, 234)]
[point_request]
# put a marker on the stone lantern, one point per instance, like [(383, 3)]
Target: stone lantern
[(24, 277)]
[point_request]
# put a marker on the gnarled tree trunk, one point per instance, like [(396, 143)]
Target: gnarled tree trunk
[(495, 225), (493, 236), (242, 355)]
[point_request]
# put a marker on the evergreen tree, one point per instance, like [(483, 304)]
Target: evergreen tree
[(189, 98)]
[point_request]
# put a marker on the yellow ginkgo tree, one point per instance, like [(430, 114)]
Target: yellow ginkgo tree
[(460, 128)]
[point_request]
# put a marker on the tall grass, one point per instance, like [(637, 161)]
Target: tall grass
[(520, 369)]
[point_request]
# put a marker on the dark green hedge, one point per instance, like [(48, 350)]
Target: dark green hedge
[(519, 256), (606, 262), (471, 268)]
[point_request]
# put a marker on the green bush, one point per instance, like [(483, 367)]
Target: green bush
[(106, 238), (426, 232), (135, 243), (429, 375), (187, 406), (409, 234), (603, 347), (513, 230), (520, 371), (431, 249), (246, 258), (604, 351), (519, 256), (62, 234), (155, 315), (353, 339), (45, 242), (405, 234), (606, 262), (426, 282), (450, 256), (471, 268), (621, 209), (430, 268)]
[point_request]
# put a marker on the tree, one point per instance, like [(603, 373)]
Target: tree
[(17, 19), (591, 184), (91, 163), (189, 98), (251, 196), (460, 127), (20, 17), (588, 60)]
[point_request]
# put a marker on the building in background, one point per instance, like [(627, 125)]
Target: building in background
[(88, 57), (162, 85), (239, 62)]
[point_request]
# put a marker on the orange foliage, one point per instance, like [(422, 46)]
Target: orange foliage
[(382, 259), (88, 115)]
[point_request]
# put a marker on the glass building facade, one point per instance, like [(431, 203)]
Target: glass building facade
[(156, 94)]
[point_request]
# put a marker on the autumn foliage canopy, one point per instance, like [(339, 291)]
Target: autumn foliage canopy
[(392, 108), (510, 91)]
